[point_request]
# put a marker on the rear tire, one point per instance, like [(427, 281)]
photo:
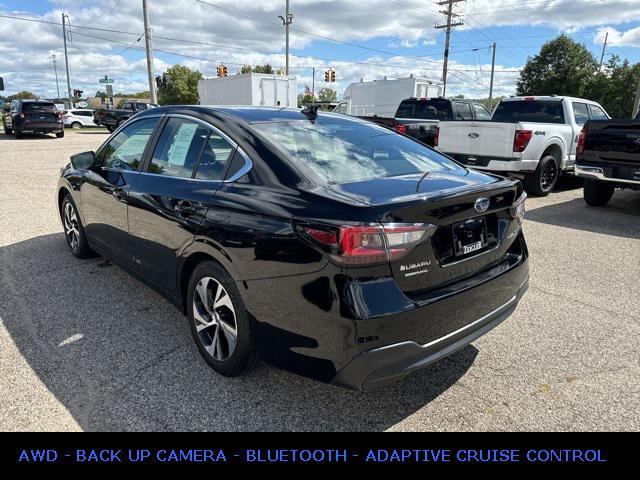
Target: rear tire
[(597, 194), (544, 179), (110, 128), (17, 134), (76, 125), (60, 134), (220, 325), (73, 229), (7, 130)]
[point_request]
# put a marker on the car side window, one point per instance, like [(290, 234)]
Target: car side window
[(481, 112), (126, 148), (178, 148), (127, 106), (342, 108), (580, 112), (462, 111), (216, 155), (597, 113)]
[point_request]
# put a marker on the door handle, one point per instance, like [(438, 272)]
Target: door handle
[(185, 208), (119, 193)]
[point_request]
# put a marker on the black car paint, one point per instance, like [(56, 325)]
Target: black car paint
[(21, 120), (314, 316)]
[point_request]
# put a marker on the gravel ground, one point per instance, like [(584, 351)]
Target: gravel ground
[(84, 346)]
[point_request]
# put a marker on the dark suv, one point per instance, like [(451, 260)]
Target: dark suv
[(32, 116)]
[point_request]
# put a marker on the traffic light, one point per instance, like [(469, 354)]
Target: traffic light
[(77, 93), (333, 76), (159, 81), (327, 76), (223, 70)]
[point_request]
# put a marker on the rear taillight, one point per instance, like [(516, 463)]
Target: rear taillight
[(370, 244), (518, 209), (436, 137), (521, 140), (401, 129), (58, 115), (580, 145), (21, 115)]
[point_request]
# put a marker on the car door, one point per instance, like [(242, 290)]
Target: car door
[(106, 188), (169, 202)]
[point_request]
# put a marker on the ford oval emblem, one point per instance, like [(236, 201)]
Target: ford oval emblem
[(473, 135), (481, 205)]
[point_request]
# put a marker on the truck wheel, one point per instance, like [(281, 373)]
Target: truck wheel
[(544, 179), (8, 131), (597, 194), (60, 134), (17, 134), (110, 128)]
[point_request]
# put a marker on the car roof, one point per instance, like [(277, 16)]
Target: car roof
[(247, 114)]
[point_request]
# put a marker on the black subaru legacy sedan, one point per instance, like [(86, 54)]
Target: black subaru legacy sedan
[(326, 245)]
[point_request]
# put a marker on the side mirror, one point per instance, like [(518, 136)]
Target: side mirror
[(83, 161)]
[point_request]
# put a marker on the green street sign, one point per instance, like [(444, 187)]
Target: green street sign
[(106, 79)]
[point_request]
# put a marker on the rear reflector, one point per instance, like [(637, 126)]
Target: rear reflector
[(401, 129), (436, 137), (371, 244), (521, 140)]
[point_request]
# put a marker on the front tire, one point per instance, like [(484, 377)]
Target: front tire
[(597, 194), (544, 179), (111, 128), (73, 229), (220, 325), (76, 125), (7, 130)]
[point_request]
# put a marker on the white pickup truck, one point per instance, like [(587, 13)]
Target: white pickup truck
[(531, 138)]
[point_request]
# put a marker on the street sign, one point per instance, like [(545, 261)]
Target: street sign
[(110, 90), (106, 79)]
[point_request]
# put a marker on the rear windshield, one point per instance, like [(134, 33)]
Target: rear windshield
[(432, 109), (345, 151), (537, 111), (39, 107)]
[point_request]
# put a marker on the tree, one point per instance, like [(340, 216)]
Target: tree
[(257, 69), (615, 87), (327, 95), (485, 101), (101, 94), (21, 96), (304, 99), (181, 88), (563, 67)]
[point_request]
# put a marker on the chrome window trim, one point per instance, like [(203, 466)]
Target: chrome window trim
[(248, 164)]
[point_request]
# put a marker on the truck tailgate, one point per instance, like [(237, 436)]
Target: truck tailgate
[(487, 139)]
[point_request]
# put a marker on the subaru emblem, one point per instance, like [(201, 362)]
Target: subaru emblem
[(481, 205), (473, 135)]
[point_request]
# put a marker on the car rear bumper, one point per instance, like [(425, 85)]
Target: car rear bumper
[(40, 127), (598, 173), (381, 366)]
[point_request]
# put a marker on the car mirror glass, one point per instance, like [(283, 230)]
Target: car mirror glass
[(83, 161)]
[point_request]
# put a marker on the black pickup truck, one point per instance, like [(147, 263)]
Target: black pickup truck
[(419, 117), (608, 157), (112, 119)]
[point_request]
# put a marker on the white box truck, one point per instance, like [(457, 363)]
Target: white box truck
[(255, 89), (382, 97)]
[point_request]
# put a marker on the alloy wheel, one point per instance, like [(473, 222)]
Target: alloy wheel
[(71, 226), (215, 318), (76, 125), (548, 177)]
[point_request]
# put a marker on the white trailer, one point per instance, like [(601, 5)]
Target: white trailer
[(255, 89), (382, 97)]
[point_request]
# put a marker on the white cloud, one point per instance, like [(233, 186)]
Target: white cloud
[(248, 31), (629, 38)]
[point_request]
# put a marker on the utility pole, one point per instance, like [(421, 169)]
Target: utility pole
[(606, 37), (313, 87), (65, 18), (493, 69), (448, 27), (55, 69), (149, 48), (286, 21)]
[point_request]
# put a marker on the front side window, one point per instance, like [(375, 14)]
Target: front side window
[(597, 113), (581, 113), (126, 148), (215, 157), (178, 148), (481, 112), (342, 108), (343, 151), (462, 111)]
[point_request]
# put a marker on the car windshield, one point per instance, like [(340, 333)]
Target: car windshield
[(539, 111), (344, 151), (431, 109), (38, 107)]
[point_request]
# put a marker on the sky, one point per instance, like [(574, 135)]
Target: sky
[(360, 39)]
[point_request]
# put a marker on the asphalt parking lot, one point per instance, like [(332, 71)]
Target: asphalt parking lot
[(84, 346)]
